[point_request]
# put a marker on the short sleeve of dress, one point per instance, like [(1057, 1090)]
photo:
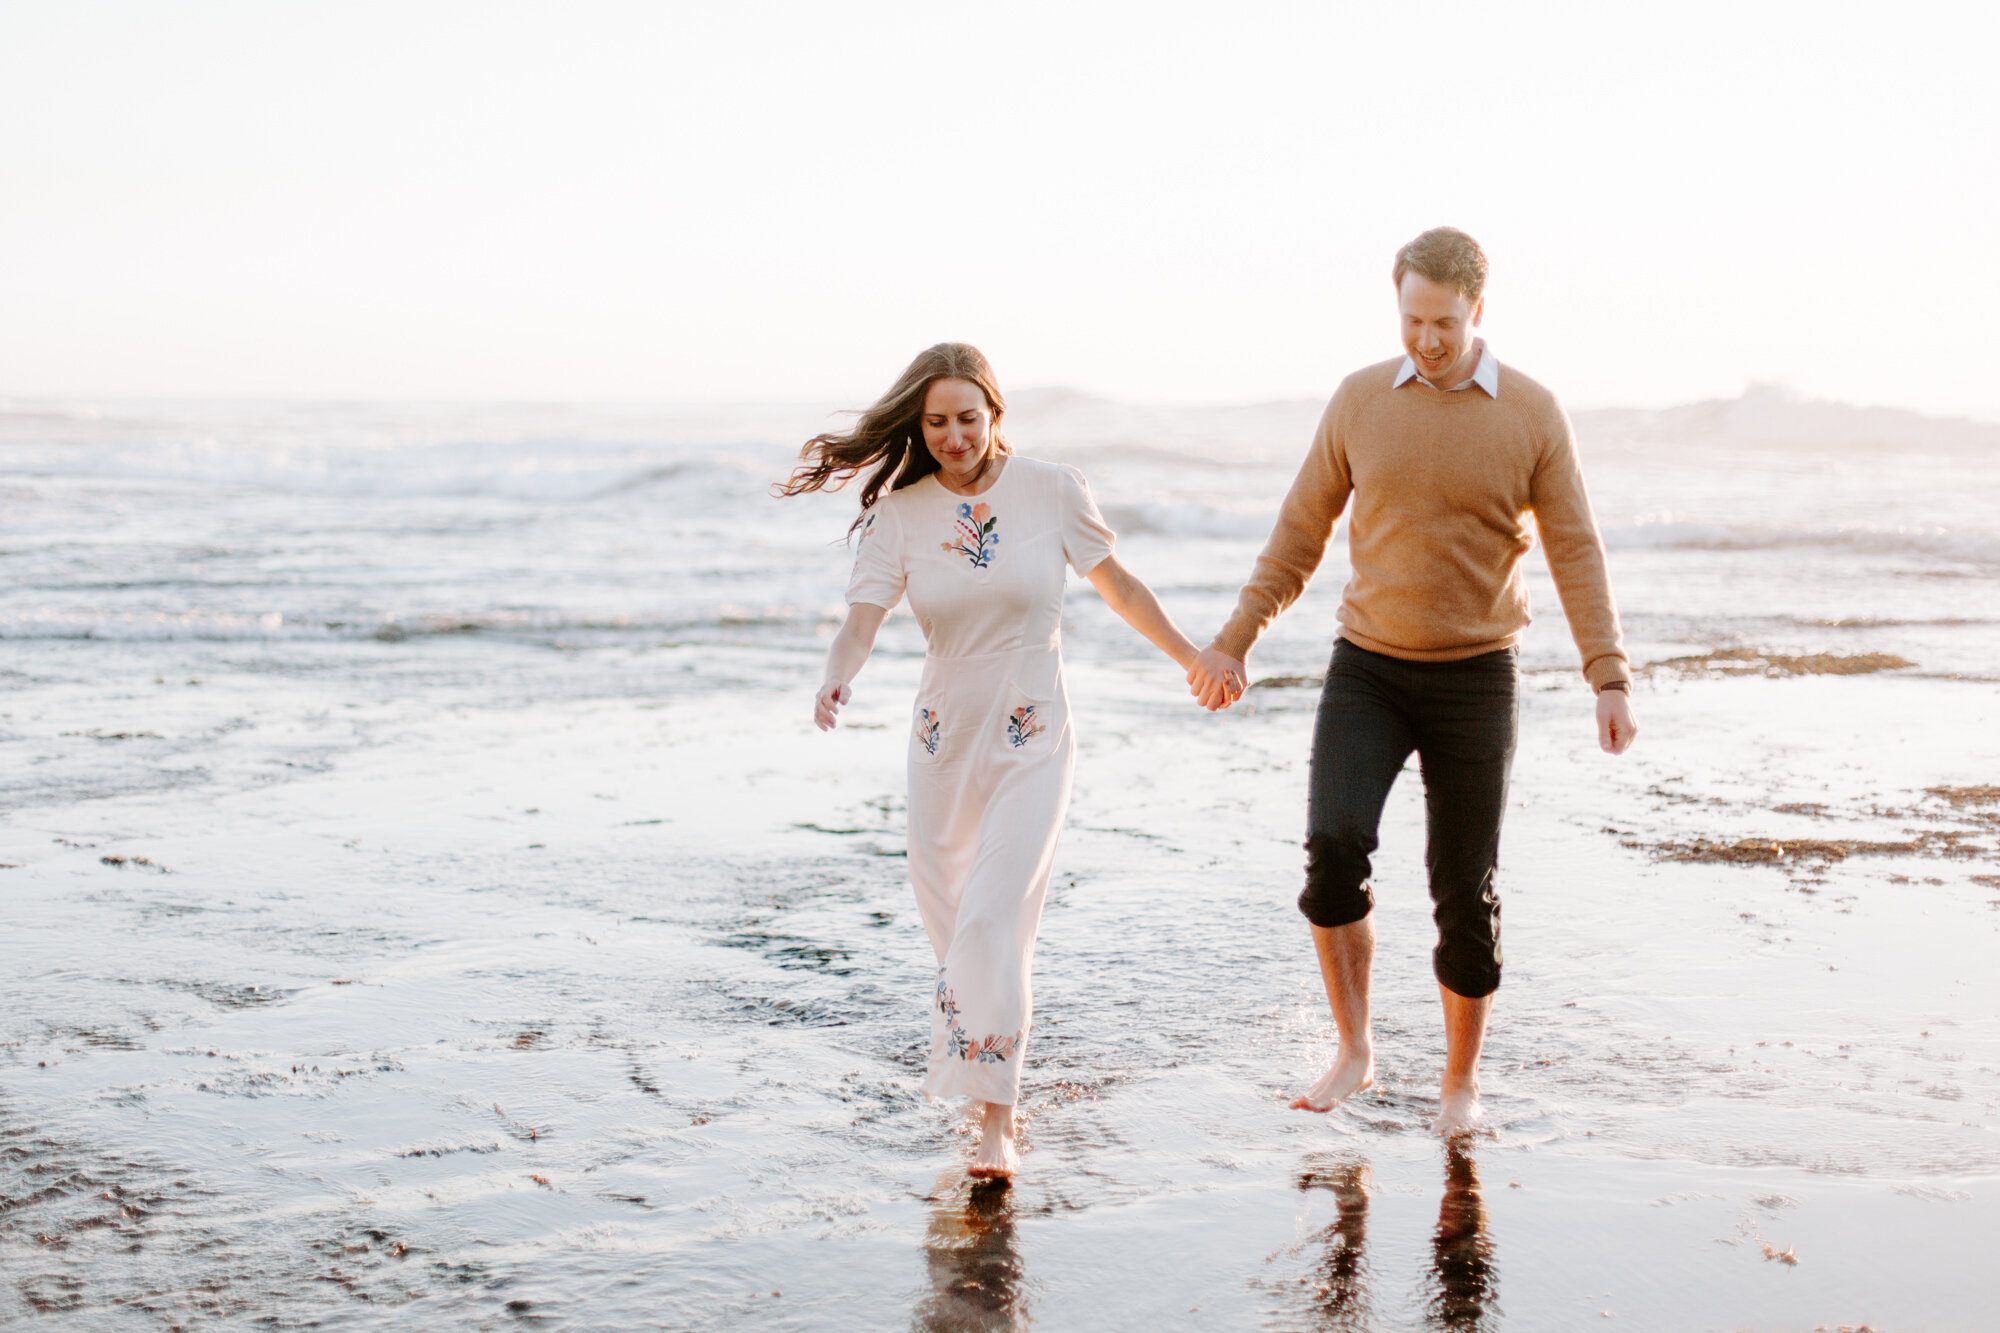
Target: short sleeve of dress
[(1086, 537), (878, 576)]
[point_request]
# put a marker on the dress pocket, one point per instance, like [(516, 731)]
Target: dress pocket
[(926, 734), (1033, 702), (1025, 723)]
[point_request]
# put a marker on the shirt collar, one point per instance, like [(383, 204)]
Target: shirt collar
[(1486, 374)]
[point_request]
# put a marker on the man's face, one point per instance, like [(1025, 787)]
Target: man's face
[(1437, 329)]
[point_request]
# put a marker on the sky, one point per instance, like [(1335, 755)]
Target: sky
[(685, 202)]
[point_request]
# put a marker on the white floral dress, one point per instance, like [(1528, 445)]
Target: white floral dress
[(991, 749)]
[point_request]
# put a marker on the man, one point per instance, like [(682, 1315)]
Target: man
[(1444, 453)]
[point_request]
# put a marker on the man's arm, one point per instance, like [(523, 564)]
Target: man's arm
[(1575, 551), (1290, 557)]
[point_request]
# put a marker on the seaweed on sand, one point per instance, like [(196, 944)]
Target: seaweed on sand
[(1750, 662)]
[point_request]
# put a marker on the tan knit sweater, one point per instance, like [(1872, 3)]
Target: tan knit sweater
[(1442, 485)]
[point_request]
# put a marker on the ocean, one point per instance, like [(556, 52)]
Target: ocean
[(427, 903)]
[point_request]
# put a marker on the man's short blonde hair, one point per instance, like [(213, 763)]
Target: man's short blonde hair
[(1447, 256)]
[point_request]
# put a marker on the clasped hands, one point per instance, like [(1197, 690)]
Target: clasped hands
[(1216, 679)]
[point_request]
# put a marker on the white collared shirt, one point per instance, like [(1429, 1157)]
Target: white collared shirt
[(1486, 374)]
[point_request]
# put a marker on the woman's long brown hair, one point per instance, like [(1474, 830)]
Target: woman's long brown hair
[(889, 436)]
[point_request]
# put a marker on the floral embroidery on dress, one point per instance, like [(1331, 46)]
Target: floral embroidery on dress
[(1022, 726), (867, 526), (986, 1050), (927, 729), (973, 536)]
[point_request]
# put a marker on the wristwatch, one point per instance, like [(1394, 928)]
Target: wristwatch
[(1624, 685)]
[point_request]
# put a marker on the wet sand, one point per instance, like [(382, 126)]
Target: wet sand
[(608, 1013), (427, 904)]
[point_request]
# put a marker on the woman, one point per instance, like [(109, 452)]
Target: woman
[(977, 537)]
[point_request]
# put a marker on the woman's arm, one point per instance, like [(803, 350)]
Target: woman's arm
[(844, 660), (1123, 592)]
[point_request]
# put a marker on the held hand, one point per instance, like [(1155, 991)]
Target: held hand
[(831, 696), (1216, 679), (1617, 725)]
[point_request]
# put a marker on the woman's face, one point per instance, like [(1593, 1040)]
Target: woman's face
[(958, 429)]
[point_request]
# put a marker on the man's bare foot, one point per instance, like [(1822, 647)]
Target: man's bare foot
[(996, 1158), (1352, 1071), (1458, 1112)]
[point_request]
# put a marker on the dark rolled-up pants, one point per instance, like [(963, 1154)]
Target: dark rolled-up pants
[(1460, 718)]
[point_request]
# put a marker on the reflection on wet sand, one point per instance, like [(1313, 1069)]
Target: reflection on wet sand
[(977, 1282), (1340, 1278), (1463, 1282)]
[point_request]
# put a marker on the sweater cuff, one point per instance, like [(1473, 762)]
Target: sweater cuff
[(1236, 638), (1603, 670)]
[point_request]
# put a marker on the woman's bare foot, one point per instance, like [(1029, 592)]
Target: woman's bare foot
[(1353, 1069), (1458, 1112), (996, 1158)]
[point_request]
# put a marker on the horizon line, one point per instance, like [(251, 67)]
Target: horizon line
[(11, 402)]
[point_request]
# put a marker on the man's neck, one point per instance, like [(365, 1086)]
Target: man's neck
[(1463, 369)]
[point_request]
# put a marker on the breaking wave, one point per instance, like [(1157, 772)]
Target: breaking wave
[(275, 627), (1976, 547)]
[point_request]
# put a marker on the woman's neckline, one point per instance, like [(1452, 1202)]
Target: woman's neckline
[(999, 469)]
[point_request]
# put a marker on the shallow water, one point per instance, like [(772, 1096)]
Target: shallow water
[(511, 951)]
